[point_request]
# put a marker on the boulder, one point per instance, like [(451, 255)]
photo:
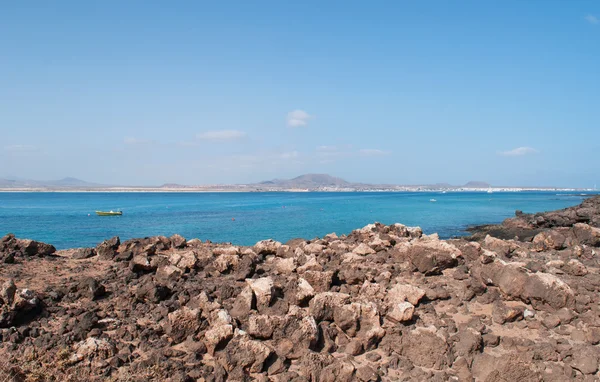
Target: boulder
[(323, 304), (35, 248), (401, 312), (217, 337), (404, 292), (548, 240), (108, 248), (262, 289), (93, 347), (184, 260), (182, 323), (245, 355), (433, 256), (177, 241), (424, 348), (84, 253), (363, 249), (267, 247), (17, 305), (586, 234), (262, 326)]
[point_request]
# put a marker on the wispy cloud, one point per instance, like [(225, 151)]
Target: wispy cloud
[(137, 141), (289, 155), (298, 118), (372, 152), (519, 151), (326, 148), (20, 148), (592, 19), (221, 135)]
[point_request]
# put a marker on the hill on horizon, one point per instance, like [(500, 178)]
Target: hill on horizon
[(68, 182), (308, 181)]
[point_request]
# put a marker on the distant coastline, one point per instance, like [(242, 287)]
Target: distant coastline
[(209, 189), (302, 183)]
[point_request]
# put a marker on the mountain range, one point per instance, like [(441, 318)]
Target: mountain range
[(12, 182), (305, 182)]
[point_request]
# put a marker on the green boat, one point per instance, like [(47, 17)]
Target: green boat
[(109, 213)]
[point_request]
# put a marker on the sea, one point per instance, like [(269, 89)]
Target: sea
[(68, 220)]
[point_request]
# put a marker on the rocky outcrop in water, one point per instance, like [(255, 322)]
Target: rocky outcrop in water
[(382, 303)]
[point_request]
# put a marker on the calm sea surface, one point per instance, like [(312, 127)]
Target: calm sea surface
[(68, 219)]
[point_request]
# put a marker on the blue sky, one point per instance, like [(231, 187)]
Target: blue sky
[(145, 92)]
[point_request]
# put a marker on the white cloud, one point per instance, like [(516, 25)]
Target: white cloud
[(221, 135), (592, 19), (519, 151), (136, 141), (327, 148), (372, 152), (289, 155), (298, 118), (20, 148)]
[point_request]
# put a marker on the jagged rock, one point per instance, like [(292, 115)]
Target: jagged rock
[(338, 372), (33, 248), (363, 250), (262, 326), (92, 288), (245, 354), (401, 312), (323, 304), (263, 290), (548, 240), (184, 260), (108, 247), (16, 306), (226, 262), (142, 263), (319, 281), (149, 291), (433, 256), (314, 248), (84, 253), (267, 247), (93, 348), (182, 323), (405, 292), (178, 241), (576, 268), (425, 348), (587, 235), (168, 274), (502, 313), (516, 282), (217, 336)]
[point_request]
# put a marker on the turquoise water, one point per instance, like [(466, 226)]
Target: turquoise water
[(68, 219)]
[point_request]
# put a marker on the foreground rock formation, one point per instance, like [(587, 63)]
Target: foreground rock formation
[(382, 303)]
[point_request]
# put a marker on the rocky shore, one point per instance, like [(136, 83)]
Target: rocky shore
[(515, 302)]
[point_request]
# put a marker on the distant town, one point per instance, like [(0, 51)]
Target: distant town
[(303, 183)]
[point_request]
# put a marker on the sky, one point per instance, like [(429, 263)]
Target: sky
[(197, 92)]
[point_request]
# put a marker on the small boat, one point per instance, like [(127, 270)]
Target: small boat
[(432, 200), (109, 213), (489, 191)]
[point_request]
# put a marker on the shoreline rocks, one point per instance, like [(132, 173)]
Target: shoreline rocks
[(384, 303)]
